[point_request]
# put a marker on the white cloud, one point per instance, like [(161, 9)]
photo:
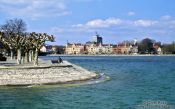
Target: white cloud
[(34, 9), (131, 13), (116, 22), (166, 17), (123, 28), (167, 21), (99, 23), (145, 23), (14, 2), (57, 29)]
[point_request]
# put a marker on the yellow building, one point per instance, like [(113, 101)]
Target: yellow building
[(75, 49), (91, 49)]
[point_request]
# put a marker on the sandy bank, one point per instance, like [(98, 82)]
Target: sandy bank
[(45, 73)]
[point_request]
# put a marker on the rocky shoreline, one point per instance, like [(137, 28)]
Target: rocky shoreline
[(46, 73)]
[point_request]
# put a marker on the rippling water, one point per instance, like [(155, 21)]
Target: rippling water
[(135, 81)]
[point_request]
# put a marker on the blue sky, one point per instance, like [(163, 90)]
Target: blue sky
[(77, 20)]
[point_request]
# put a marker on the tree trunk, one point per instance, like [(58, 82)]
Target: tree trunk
[(30, 55), (26, 60), (36, 57), (19, 56), (11, 54), (33, 55)]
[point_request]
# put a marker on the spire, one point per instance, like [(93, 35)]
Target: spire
[(135, 41), (67, 43), (96, 33)]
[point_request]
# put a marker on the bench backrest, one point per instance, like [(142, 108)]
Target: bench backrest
[(54, 61)]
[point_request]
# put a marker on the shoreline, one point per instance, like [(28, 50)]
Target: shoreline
[(111, 55), (44, 74)]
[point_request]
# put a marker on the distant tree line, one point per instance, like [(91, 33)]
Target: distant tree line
[(169, 48), (146, 46), (15, 39)]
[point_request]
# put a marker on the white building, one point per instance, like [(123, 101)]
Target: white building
[(107, 49), (97, 39), (159, 51), (46, 48), (99, 49), (134, 49), (91, 49)]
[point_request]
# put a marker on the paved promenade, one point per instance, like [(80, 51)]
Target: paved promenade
[(45, 73)]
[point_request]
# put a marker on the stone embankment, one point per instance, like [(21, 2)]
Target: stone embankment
[(45, 73)]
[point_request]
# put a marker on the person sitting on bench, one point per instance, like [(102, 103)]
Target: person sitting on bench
[(60, 60)]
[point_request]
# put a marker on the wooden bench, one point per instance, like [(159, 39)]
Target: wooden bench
[(55, 61)]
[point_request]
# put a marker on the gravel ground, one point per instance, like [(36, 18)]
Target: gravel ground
[(45, 73)]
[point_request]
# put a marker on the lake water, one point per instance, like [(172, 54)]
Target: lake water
[(136, 83)]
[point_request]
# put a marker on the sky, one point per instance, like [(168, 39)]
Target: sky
[(76, 21)]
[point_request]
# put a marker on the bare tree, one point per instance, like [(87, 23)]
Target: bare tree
[(13, 35), (17, 26), (38, 40), (28, 48)]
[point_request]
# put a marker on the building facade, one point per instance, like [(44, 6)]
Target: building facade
[(121, 49), (97, 39), (158, 49), (134, 49), (96, 46), (46, 48), (75, 48)]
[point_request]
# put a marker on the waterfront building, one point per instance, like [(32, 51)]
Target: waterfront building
[(46, 48), (97, 39), (157, 48), (55, 49), (126, 47), (115, 49), (107, 49), (43, 49), (134, 49), (58, 49), (159, 51), (99, 49), (75, 48), (92, 49), (121, 49)]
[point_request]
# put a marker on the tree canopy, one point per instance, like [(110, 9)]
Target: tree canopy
[(13, 34), (146, 45)]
